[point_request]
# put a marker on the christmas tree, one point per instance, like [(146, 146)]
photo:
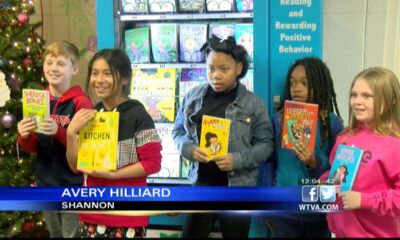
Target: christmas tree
[(20, 67)]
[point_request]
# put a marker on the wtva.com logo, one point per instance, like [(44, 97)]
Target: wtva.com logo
[(325, 193)]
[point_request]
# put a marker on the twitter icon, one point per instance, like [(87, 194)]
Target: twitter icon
[(327, 193)]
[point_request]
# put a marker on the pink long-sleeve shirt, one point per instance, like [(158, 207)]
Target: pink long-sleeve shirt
[(378, 180)]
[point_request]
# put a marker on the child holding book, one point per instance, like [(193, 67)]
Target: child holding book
[(372, 207), (60, 64), (139, 146), (308, 80), (250, 136)]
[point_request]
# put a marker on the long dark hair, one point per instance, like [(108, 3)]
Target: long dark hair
[(320, 91), (120, 67), (229, 47)]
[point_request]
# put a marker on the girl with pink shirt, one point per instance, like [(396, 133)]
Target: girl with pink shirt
[(372, 207)]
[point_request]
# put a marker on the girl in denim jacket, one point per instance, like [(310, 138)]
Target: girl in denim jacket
[(250, 137)]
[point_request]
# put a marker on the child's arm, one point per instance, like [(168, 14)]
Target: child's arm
[(185, 145), (262, 141), (81, 102), (386, 202), (81, 118), (321, 160), (26, 138)]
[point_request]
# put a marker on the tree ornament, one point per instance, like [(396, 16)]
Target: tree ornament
[(28, 226), (23, 18), (4, 90), (3, 63), (27, 61), (7, 120)]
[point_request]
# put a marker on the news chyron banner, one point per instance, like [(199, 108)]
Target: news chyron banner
[(312, 198)]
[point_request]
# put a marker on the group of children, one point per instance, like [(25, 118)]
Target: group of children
[(139, 146), (371, 209)]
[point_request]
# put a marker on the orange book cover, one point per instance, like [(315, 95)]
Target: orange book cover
[(299, 124)]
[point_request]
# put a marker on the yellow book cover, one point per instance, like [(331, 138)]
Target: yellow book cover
[(98, 143), (214, 137), (155, 89), (36, 105)]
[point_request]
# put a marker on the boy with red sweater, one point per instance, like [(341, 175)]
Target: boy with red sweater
[(60, 64)]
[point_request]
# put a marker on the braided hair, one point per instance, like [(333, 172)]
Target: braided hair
[(229, 47), (320, 91)]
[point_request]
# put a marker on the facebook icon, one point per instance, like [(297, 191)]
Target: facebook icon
[(309, 194)]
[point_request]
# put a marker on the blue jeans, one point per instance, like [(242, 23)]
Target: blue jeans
[(62, 224)]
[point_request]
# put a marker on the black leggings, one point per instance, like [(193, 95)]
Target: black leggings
[(233, 225)]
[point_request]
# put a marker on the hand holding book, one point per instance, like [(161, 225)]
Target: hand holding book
[(351, 200), (108, 174), (48, 127), (81, 119), (25, 127), (225, 162), (305, 155), (200, 155)]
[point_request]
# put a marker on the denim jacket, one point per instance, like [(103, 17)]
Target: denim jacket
[(250, 137)]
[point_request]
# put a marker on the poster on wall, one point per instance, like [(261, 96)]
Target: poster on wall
[(295, 29)]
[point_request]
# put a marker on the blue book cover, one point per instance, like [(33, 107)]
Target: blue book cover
[(244, 36), (191, 77), (244, 5), (345, 167), (191, 38)]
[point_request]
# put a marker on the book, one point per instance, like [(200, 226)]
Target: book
[(248, 80), (244, 5), (191, 38), (134, 6), (162, 6), (155, 89), (244, 36), (221, 29), (299, 124), (191, 77), (345, 167), (220, 5), (137, 45), (36, 105), (98, 143), (164, 42), (191, 6), (214, 138)]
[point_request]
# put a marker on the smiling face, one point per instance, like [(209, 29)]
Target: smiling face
[(59, 71), (103, 83), (222, 71), (362, 102), (299, 84)]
